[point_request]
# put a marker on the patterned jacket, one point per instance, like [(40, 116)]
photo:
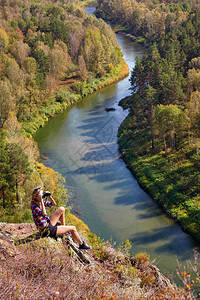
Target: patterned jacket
[(39, 219)]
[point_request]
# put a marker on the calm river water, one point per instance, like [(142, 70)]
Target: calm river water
[(81, 144)]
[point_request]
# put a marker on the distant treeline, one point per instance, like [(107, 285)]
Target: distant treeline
[(160, 138), (149, 20)]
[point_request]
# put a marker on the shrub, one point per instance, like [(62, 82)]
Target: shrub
[(61, 96)]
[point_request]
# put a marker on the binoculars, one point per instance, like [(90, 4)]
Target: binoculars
[(45, 194)]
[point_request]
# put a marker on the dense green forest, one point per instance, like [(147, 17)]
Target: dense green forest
[(51, 55), (160, 138)]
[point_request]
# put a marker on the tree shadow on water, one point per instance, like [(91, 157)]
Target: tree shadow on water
[(150, 210), (170, 239)]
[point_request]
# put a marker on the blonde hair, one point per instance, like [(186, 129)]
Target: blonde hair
[(35, 193)]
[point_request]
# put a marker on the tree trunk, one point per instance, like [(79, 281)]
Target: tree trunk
[(152, 129), (196, 107), (17, 195), (189, 138), (1, 119), (171, 143), (165, 144), (174, 140), (4, 203), (197, 147)]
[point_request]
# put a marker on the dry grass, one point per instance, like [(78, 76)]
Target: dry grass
[(46, 269), (49, 271)]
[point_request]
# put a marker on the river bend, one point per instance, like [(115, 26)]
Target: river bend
[(81, 144)]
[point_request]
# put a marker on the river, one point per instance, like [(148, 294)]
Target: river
[(81, 144)]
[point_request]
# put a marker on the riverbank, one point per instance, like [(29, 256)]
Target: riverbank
[(64, 99), (171, 178)]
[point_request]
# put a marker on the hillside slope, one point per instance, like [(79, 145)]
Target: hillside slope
[(48, 268)]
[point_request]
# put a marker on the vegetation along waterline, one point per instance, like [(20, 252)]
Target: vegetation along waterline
[(159, 140)]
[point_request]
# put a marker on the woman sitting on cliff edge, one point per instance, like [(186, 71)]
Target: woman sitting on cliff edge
[(48, 225)]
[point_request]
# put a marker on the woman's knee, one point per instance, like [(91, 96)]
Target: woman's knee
[(73, 229), (62, 209)]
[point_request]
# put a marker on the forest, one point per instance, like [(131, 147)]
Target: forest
[(51, 55), (46, 46), (160, 138)]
